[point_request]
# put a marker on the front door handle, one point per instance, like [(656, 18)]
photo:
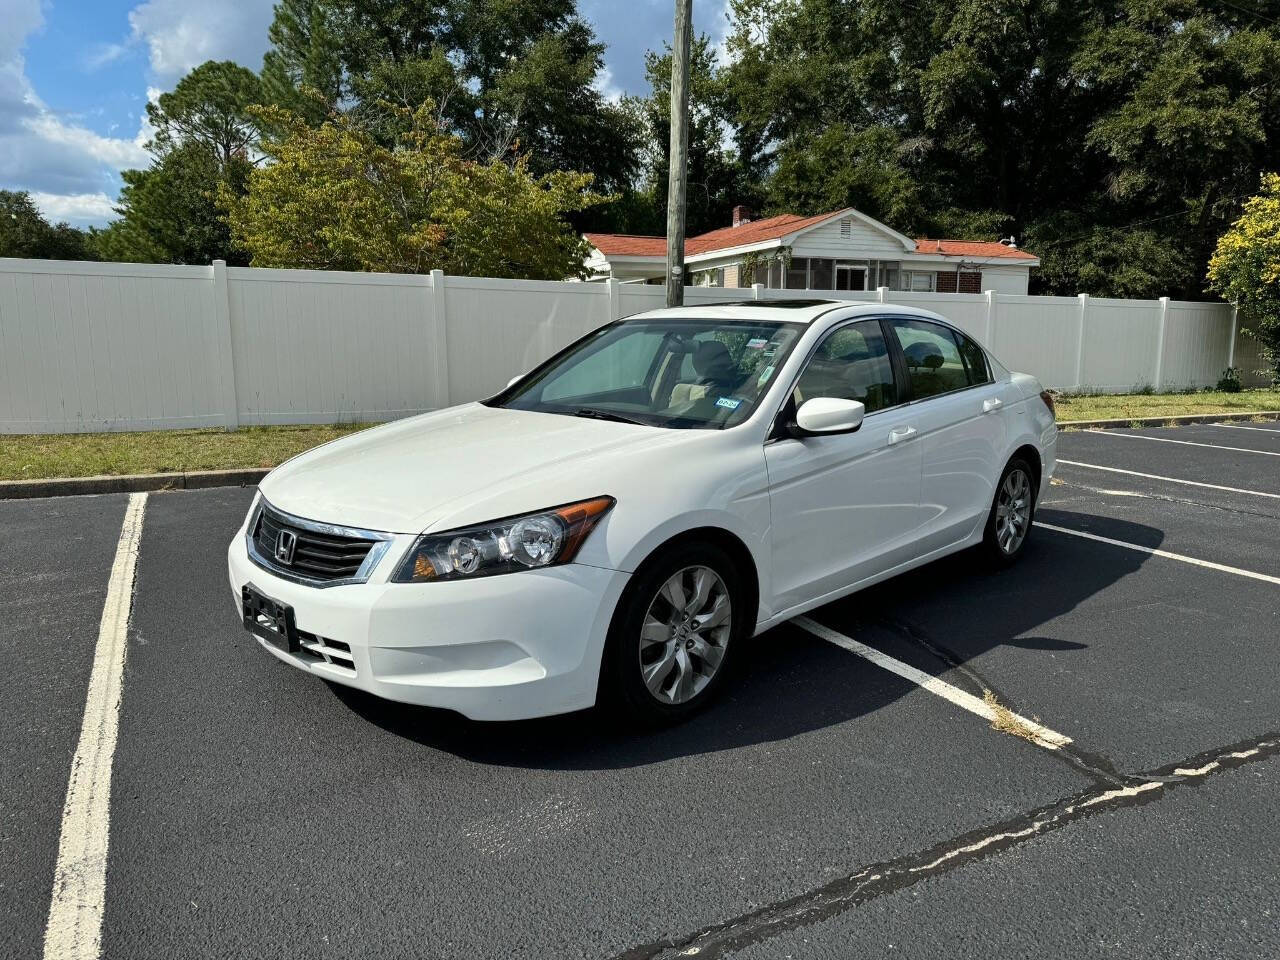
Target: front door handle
[(992, 405), (900, 434)]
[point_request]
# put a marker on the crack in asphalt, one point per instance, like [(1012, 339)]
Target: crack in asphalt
[(1101, 491), (1095, 766), (891, 876)]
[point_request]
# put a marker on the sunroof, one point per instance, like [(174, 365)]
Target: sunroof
[(779, 304)]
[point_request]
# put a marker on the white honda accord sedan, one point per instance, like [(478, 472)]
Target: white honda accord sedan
[(613, 525)]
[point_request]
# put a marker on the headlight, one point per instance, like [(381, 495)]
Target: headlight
[(504, 546)]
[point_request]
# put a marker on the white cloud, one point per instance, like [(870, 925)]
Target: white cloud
[(78, 209), (181, 34), (110, 151), (68, 166), (104, 54), (604, 84)]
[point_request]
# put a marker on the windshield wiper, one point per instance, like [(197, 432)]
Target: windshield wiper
[(593, 414)]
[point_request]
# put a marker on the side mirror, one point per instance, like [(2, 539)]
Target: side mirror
[(824, 415)]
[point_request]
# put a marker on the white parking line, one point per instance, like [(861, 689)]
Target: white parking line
[(1252, 575), (1188, 443), (1240, 426), (74, 931), (1156, 476), (1041, 735)]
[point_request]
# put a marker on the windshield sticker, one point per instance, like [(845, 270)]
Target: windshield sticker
[(765, 374), (756, 344), (729, 403)]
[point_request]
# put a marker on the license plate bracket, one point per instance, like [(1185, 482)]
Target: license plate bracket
[(269, 619)]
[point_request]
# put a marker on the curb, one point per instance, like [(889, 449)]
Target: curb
[(129, 483), (1169, 421)]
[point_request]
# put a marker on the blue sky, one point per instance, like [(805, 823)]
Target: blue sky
[(75, 76)]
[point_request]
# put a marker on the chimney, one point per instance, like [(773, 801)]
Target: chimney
[(741, 215)]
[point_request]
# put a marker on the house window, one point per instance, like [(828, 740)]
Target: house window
[(821, 275), (918, 281), (851, 276), (798, 274)]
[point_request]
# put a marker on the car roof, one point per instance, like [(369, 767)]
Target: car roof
[(783, 311)]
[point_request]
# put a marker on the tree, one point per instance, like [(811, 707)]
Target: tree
[(510, 78), (206, 140), (169, 212), (24, 232), (210, 105), (302, 71), (1245, 268), (1189, 116), (1117, 136), (336, 198)]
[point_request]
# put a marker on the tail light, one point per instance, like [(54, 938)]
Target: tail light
[(1047, 397)]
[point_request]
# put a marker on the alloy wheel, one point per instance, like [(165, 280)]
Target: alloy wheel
[(1013, 511), (685, 633)]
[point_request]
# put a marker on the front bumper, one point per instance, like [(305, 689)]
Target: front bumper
[(506, 647)]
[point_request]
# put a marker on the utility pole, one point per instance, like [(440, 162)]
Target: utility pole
[(677, 185)]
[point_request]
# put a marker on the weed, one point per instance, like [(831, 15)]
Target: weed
[(1005, 720)]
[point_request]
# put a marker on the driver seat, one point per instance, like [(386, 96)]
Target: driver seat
[(714, 366)]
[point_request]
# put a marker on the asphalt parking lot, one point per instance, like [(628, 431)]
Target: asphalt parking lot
[(842, 800)]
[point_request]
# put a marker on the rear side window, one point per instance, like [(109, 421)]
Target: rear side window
[(975, 360), (852, 363), (934, 364)]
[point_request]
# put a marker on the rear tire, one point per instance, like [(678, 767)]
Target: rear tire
[(673, 635), (1013, 509)]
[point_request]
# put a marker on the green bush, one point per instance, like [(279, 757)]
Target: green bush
[(1229, 382)]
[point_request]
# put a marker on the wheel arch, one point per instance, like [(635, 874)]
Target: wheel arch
[(1029, 453), (730, 543)]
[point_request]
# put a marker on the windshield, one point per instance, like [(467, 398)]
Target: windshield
[(691, 374)]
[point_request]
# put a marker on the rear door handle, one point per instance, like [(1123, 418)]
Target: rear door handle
[(900, 434), (992, 405)]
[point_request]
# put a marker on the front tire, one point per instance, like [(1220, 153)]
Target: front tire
[(673, 634), (1012, 512)]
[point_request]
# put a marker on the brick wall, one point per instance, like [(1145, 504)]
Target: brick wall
[(970, 282)]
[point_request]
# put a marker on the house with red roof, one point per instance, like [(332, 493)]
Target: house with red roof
[(842, 250)]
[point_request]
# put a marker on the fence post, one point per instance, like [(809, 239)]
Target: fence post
[(441, 316), (882, 294), (1231, 347), (1084, 312), (226, 355), (1164, 320), (991, 319), (615, 299), (757, 291)]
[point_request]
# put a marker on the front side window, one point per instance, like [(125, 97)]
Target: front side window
[(852, 363), (933, 359), (681, 374)]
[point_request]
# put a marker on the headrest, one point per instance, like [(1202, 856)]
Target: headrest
[(712, 359)]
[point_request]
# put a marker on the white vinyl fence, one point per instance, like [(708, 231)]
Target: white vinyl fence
[(100, 347)]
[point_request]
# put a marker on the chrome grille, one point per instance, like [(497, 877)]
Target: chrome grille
[(312, 552)]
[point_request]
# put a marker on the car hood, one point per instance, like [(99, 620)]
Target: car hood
[(448, 468)]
